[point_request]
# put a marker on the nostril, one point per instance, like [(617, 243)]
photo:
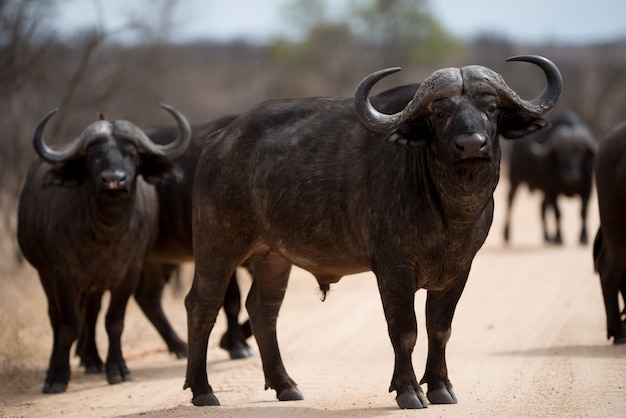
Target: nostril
[(471, 145), (113, 179)]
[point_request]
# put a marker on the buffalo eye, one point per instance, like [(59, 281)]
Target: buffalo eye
[(440, 114), (130, 153), (487, 104), (93, 158)]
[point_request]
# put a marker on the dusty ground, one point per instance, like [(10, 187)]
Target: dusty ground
[(528, 340)]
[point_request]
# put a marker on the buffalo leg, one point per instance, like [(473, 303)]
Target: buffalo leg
[(440, 307), (550, 201), (234, 339), (203, 302), (263, 304), (86, 347), (116, 369), (611, 279), (584, 204), (507, 224), (398, 298), (63, 313), (148, 295)]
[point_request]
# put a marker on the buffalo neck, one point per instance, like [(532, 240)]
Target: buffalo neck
[(109, 217)]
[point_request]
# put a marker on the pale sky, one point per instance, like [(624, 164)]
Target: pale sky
[(572, 21)]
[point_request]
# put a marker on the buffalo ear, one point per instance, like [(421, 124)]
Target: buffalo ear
[(160, 170), (518, 125), (415, 135), (65, 174)]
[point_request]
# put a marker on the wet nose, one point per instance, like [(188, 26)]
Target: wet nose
[(471, 145), (113, 179)]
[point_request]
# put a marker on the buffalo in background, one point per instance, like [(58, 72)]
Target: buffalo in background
[(609, 249), (401, 185), (556, 161), (173, 247), (86, 221)]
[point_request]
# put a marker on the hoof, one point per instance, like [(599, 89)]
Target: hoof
[(178, 349), (94, 369), (56, 387), (240, 352), (180, 353), (441, 396), (116, 378), (207, 399), (410, 400), (620, 340), (290, 394)]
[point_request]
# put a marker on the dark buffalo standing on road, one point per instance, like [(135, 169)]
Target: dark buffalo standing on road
[(406, 193), (86, 221), (558, 161), (172, 248), (609, 250)]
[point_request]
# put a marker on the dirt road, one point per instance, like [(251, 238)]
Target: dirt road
[(528, 340)]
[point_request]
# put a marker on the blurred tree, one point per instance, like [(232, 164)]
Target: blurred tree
[(404, 32), (340, 46)]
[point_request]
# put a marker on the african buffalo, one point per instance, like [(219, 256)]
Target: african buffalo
[(172, 248), (557, 161), (86, 221), (336, 187), (609, 249)]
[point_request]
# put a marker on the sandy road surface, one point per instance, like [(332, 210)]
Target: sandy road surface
[(528, 340)]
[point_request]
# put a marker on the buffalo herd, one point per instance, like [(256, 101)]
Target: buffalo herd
[(399, 183)]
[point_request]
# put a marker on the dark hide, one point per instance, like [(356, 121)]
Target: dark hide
[(304, 182), (90, 238), (557, 161), (609, 250)]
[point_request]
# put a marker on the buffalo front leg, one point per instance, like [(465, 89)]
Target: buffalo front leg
[(115, 367), (397, 292), (86, 347), (584, 204), (263, 304), (63, 313), (440, 307)]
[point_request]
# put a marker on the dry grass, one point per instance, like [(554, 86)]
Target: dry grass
[(25, 328)]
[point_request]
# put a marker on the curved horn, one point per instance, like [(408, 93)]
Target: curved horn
[(441, 83), (171, 150), (547, 99), (71, 151), (369, 116)]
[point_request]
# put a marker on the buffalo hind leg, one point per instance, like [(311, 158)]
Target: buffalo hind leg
[(397, 292), (203, 302), (263, 304), (612, 280), (234, 339), (149, 295), (440, 307)]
